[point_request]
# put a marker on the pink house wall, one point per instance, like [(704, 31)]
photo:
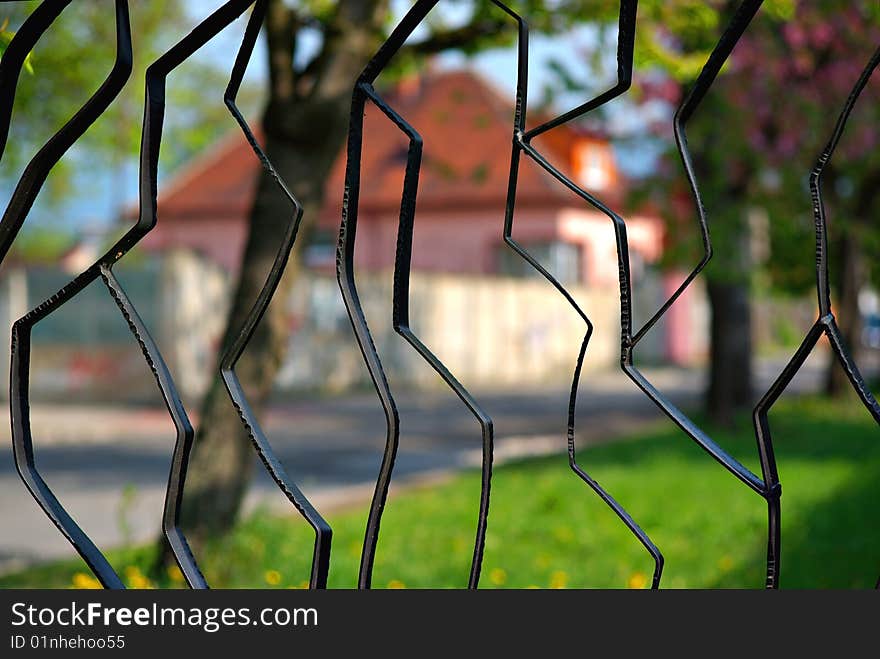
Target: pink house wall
[(467, 242), (219, 239), (470, 243)]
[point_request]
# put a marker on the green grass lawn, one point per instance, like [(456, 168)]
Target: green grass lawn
[(547, 529)]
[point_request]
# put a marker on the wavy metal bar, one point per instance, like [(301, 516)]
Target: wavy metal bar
[(26, 192), (33, 28), (721, 53), (734, 32), (825, 325), (345, 274), (323, 533), (348, 287), (180, 548), (151, 139), (401, 320), (522, 144), (629, 340)]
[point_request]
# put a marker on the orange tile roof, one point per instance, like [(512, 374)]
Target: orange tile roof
[(467, 131)]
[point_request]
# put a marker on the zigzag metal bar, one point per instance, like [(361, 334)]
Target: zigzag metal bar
[(323, 533), (720, 54), (150, 145), (346, 277), (16, 213), (183, 446), (522, 144), (400, 320), (33, 28), (739, 23), (825, 325), (348, 287)]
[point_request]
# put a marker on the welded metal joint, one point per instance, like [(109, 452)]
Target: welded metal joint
[(522, 144), (767, 485), (825, 325)]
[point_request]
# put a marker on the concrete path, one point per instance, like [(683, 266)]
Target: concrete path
[(110, 465)]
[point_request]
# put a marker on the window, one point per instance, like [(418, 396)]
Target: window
[(592, 166), (321, 251), (563, 260)]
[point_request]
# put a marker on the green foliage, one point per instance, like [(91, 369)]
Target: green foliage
[(77, 52), (6, 37), (759, 133), (547, 529), (780, 10), (72, 60), (676, 37)]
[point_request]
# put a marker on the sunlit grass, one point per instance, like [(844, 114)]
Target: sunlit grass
[(547, 530)]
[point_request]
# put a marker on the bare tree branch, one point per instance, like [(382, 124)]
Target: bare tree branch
[(468, 35)]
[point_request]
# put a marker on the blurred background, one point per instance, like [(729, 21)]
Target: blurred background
[(104, 439)]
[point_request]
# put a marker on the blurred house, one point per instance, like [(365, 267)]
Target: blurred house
[(466, 127), (480, 306)]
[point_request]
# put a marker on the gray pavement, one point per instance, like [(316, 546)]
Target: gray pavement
[(109, 465)]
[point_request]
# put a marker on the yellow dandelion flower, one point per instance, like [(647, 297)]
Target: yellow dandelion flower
[(533, 587), (558, 579), (141, 583), (136, 578), (637, 580), (396, 584), (174, 574), (498, 576), (725, 563), (272, 577), (84, 581), (133, 572)]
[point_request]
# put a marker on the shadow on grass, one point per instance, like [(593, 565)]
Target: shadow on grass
[(832, 544), (547, 529), (829, 461)]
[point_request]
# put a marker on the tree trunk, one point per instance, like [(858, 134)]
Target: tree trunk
[(730, 379), (729, 287), (846, 309), (222, 461), (729, 274), (305, 130)]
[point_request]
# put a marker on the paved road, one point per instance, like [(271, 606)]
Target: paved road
[(110, 465)]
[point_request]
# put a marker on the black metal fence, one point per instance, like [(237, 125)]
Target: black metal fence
[(767, 485)]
